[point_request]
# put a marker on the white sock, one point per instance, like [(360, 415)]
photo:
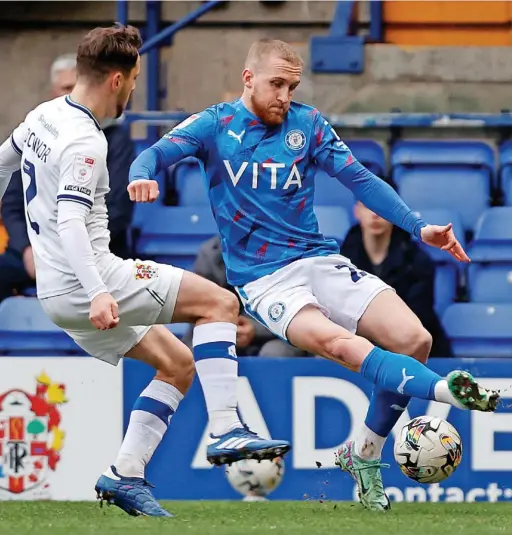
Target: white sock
[(368, 445), (442, 393), (217, 369), (158, 402)]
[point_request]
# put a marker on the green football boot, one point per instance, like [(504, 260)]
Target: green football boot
[(469, 393), (367, 476)]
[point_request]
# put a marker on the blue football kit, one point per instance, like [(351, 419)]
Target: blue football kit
[(261, 183)]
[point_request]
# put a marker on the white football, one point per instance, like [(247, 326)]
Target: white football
[(255, 479), (428, 450)]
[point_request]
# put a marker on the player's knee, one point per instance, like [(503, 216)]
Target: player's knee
[(414, 341), (422, 345), (351, 350), (225, 307)]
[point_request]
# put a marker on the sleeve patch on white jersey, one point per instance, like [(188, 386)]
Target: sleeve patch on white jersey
[(83, 168), (78, 189)]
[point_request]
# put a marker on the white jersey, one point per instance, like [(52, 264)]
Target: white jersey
[(64, 158)]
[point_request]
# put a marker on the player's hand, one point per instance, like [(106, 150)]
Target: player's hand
[(143, 190), (104, 312), (28, 262), (245, 332), (444, 238)]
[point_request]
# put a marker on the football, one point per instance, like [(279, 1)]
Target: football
[(255, 479), (428, 449)]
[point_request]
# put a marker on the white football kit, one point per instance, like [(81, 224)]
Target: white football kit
[(63, 156)]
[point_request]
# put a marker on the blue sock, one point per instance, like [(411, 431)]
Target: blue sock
[(217, 368), (398, 373), (384, 411)]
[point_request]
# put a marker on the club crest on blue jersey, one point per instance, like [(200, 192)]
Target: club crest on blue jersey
[(295, 139), (276, 311)]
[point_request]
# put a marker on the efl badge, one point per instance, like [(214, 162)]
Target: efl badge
[(145, 271), (83, 168), (30, 438)]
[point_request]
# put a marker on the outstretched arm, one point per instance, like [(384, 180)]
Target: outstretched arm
[(190, 138), (336, 159)]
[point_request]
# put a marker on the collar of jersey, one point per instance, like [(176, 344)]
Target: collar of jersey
[(87, 111), (241, 104)]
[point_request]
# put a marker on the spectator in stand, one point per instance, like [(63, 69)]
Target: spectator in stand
[(379, 248), (17, 272)]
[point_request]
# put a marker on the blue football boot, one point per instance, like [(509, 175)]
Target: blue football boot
[(242, 443), (131, 494)]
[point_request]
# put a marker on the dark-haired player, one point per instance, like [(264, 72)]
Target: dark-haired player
[(109, 306)]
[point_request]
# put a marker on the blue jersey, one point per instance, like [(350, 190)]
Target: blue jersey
[(260, 182)]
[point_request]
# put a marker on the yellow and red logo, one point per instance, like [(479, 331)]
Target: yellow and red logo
[(31, 437)]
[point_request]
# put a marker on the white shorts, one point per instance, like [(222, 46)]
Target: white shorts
[(146, 293), (331, 283)]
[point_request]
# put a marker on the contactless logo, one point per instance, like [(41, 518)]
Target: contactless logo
[(295, 139)]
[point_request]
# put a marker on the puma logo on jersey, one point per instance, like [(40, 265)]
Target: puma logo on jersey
[(405, 379), (238, 137)]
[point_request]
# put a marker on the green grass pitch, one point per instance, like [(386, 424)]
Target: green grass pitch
[(230, 518)]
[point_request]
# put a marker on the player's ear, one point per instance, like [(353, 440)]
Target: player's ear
[(247, 76), (117, 81)]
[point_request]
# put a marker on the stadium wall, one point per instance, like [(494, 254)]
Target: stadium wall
[(204, 64)]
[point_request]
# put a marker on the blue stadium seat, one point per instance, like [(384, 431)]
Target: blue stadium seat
[(173, 234), (25, 329), (446, 174), (490, 271), (333, 222), (492, 241), (445, 286), (479, 330), (490, 282), (178, 329), (506, 184), (189, 180), (444, 153), (370, 153), (142, 212), (506, 171), (329, 192), (463, 190)]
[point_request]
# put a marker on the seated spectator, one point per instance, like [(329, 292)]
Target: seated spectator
[(17, 271), (379, 248), (253, 339)]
